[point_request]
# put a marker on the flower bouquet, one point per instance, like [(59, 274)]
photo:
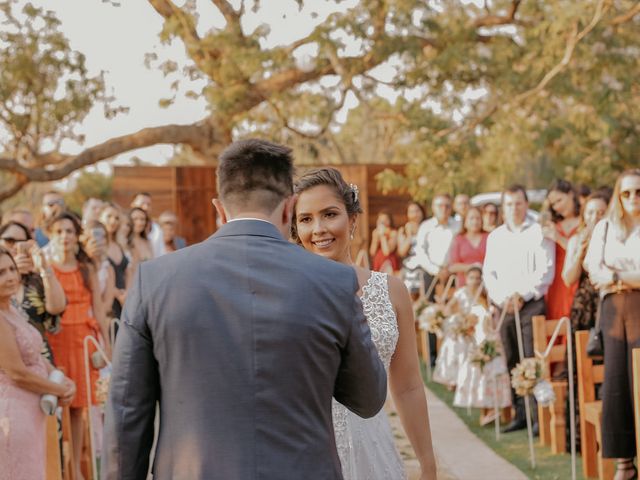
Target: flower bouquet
[(102, 388), (484, 353), (419, 306), (432, 319), (526, 375), (463, 325)]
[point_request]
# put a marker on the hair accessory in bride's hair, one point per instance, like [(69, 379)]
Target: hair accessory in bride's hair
[(354, 191)]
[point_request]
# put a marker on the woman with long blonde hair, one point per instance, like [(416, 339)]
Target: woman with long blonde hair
[(613, 263)]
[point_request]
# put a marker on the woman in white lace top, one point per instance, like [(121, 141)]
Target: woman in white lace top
[(325, 219)]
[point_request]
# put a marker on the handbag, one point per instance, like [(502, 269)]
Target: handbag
[(595, 343)]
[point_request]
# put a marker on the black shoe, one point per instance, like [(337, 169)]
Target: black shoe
[(515, 425), (536, 430)]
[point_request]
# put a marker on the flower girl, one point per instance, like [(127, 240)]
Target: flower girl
[(482, 377), (458, 329)]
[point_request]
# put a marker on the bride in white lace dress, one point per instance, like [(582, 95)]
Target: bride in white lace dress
[(325, 219)]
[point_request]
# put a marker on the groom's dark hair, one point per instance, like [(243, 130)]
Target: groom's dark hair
[(255, 173)]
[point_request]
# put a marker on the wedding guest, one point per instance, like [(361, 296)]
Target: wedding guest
[(461, 204), (168, 222), (454, 348), (22, 216), (96, 232), (52, 204), (83, 316), (407, 235), (23, 380), (433, 242), (144, 201), (325, 218), (490, 217), (469, 246), (91, 210), (111, 218), (488, 385), (518, 269), (613, 263), (138, 241), (39, 294), (564, 208), (585, 301), (384, 241), (583, 192)]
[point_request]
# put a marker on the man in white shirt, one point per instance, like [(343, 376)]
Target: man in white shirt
[(433, 241), (461, 205), (518, 269)]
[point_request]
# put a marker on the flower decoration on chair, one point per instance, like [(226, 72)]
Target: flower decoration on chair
[(485, 352), (432, 319), (526, 375)]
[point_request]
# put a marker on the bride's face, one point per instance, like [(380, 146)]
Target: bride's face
[(323, 224)]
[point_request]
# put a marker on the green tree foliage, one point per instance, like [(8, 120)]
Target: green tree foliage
[(471, 94), (88, 185)]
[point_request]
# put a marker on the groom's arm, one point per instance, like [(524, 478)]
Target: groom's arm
[(130, 410), (361, 385)]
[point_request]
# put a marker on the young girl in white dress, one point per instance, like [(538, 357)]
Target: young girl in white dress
[(324, 222), (477, 386), (454, 348)]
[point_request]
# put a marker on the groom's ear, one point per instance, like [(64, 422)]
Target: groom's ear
[(221, 211), (287, 211)]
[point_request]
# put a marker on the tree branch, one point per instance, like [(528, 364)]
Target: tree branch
[(628, 16), (324, 126), (230, 15), (495, 20), (199, 135), (573, 40), (9, 191)]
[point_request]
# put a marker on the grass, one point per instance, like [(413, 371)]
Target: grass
[(513, 447)]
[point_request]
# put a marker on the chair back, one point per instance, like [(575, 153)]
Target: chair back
[(589, 374), (542, 330)]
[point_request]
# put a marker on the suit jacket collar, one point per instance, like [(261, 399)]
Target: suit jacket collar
[(248, 227)]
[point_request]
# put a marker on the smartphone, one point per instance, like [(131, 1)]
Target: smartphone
[(98, 234)]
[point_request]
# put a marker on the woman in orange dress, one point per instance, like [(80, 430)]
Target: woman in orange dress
[(565, 221), (83, 316)]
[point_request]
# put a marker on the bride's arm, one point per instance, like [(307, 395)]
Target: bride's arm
[(407, 387)]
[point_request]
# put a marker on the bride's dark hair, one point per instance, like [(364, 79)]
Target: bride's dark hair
[(331, 178)]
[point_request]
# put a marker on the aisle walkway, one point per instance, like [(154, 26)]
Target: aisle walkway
[(459, 453)]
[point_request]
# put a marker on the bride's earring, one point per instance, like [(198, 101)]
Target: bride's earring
[(351, 234)]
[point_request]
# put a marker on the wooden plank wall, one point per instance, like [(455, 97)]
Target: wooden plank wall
[(194, 189)]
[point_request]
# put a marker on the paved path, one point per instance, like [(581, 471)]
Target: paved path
[(459, 453)]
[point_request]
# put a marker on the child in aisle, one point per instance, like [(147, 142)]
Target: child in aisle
[(482, 371), (455, 346)]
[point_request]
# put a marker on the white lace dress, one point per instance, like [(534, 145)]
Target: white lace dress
[(366, 446)]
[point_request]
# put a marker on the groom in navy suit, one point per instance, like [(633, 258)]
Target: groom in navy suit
[(243, 340)]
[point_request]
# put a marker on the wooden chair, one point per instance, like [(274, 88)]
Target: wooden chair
[(589, 375), (636, 396), (551, 419), (52, 445)]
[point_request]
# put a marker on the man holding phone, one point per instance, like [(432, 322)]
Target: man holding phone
[(52, 204)]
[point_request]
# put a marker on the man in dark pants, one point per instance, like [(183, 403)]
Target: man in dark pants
[(518, 269)]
